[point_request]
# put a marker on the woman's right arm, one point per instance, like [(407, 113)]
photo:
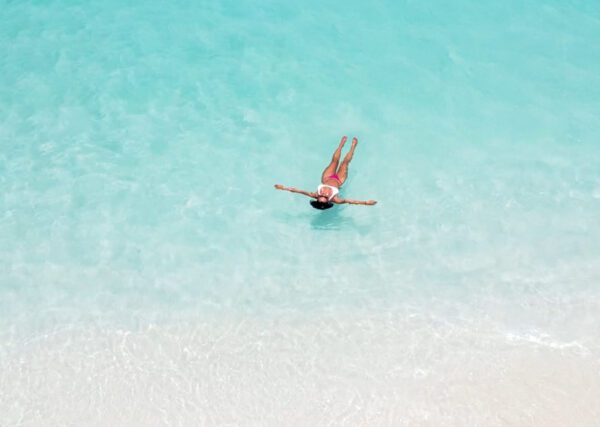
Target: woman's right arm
[(355, 202)]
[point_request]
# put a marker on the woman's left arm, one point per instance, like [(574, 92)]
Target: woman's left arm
[(295, 190)]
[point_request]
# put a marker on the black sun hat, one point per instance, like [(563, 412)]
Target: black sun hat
[(320, 205)]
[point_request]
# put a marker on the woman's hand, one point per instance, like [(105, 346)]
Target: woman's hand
[(371, 202), (279, 187)]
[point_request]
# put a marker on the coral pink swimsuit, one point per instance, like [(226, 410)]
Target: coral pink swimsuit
[(334, 191)]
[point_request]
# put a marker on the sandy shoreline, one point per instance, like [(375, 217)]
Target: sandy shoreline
[(356, 369)]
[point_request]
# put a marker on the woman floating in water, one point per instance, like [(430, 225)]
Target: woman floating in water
[(331, 181)]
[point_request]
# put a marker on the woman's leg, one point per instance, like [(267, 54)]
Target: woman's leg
[(332, 167), (342, 172)]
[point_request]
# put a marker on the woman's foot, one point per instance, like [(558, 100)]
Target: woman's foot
[(354, 142), (342, 142)]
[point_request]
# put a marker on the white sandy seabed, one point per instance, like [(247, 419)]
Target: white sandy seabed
[(410, 366)]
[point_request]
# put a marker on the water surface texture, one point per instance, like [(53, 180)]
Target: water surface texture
[(151, 275)]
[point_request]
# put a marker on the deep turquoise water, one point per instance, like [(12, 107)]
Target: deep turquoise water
[(139, 148)]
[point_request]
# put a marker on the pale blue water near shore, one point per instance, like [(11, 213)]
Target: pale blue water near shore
[(151, 275)]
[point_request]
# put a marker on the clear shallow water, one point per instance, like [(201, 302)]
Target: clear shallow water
[(148, 263)]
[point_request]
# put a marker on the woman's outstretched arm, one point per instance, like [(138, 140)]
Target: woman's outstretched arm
[(355, 202), (295, 190)]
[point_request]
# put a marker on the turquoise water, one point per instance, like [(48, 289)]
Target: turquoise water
[(140, 145)]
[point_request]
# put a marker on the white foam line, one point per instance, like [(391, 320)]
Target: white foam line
[(545, 340)]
